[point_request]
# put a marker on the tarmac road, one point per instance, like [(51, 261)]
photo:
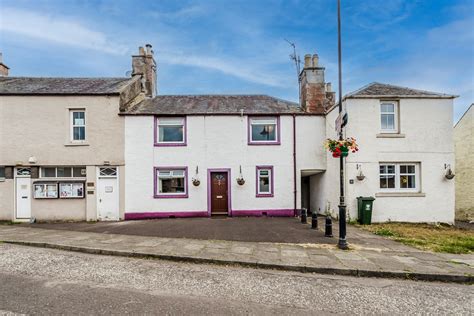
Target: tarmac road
[(47, 281)]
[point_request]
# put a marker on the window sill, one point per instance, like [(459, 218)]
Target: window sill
[(263, 143), (400, 194), (390, 135), (170, 144), (174, 196), (264, 195), (72, 144)]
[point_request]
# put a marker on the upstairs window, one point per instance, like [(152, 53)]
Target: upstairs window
[(264, 131), (78, 125), (388, 117), (400, 177), (171, 183), (264, 181), (2, 173), (170, 131)]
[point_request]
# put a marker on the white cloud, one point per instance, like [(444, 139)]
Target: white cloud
[(227, 66), (59, 30)]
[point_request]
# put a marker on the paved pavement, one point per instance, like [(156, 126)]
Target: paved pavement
[(52, 282), (377, 258)]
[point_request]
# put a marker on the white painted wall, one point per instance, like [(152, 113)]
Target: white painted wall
[(427, 125), (219, 142)]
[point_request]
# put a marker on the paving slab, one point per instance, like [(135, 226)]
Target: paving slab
[(306, 257)]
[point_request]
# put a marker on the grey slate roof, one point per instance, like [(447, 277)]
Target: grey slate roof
[(213, 104), (377, 89), (61, 86)]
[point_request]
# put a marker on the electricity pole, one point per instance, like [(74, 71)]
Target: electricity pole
[(342, 243)]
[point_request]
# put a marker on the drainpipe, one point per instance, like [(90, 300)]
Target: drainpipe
[(294, 163)]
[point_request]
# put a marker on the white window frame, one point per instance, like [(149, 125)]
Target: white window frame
[(268, 193), (264, 121), (71, 184), (395, 117), (171, 171), (162, 121), (398, 174), (72, 125)]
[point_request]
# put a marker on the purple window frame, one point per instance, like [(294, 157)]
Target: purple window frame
[(157, 195), (258, 178), (249, 131), (170, 144)]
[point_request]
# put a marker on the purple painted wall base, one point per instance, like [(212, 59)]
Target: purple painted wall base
[(151, 215), (274, 213)]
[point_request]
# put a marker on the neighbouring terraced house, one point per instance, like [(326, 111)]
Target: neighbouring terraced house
[(109, 148)]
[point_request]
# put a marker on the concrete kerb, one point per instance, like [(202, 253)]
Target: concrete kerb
[(451, 278)]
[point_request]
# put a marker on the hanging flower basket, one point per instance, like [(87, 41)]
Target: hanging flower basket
[(341, 148)]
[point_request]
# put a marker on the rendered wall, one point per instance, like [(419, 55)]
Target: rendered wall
[(219, 142), (427, 128)]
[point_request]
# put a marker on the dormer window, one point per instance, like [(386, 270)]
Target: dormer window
[(389, 117), (170, 131), (264, 131)]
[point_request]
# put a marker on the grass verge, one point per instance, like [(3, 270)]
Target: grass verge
[(437, 238)]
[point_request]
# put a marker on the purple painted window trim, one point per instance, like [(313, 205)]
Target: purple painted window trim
[(157, 195), (257, 143), (170, 144), (229, 189), (257, 180)]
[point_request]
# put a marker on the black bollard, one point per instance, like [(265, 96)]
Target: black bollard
[(303, 216), (328, 232), (314, 220)]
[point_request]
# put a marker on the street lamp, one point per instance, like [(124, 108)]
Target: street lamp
[(342, 243)]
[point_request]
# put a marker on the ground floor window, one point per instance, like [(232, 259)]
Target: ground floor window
[(400, 176), (171, 182), (264, 181)]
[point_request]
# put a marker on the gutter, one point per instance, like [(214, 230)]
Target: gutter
[(294, 163)]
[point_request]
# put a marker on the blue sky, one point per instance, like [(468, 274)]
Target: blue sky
[(210, 47)]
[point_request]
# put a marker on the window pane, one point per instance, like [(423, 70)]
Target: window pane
[(2, 172), (48, 172), (171, 121), (263, 172), (410, 169), (78, 190), (78, 118), (264, 132), (387, 182), (79, 133), (171, 134), (264, 184), (388, 121), (65, 189), (171, 185), (388, 107), (407, 182), (79, 172), (64, 172), (51, 190)]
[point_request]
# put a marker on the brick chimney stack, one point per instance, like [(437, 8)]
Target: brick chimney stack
[(144, 65), (316, 94), (3, 68)]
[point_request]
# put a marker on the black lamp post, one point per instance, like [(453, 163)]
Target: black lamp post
[(342, 243)]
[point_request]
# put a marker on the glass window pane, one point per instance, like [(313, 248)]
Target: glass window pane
[(264, 132), (171, 185), (79, 133), (264, 185), (263, 172), (391, 169), (78, 118), (171, 134), (64, 172), (52, 190), (2, 172), (411, 169), (65, 189), (171, 121), (387, 107), (48, 172), (403, 169), (79, 172)]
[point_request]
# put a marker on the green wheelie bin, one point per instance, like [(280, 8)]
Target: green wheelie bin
[(364, 209)]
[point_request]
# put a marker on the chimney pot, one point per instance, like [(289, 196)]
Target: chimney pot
[(328, 87), (149, 51), (307, 61), (315, 60), (141, 51)]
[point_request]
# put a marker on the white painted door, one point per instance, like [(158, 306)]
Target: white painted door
[(107, 194), (23, 197)]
